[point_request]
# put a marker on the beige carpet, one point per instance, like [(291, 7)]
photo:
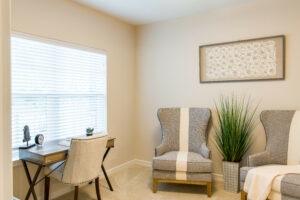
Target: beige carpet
[(134, 183)]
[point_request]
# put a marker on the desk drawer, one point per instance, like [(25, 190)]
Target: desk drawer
[(55, 158), (41, 159)]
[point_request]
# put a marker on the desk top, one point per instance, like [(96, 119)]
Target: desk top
[(50, 152), (46, 149)]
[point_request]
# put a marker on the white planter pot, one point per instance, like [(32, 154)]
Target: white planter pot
[(231, 171)]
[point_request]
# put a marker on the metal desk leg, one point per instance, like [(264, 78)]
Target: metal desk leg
[(103, 169), (31, 182)]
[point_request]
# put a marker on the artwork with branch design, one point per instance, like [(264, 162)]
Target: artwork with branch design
[(255, 59)]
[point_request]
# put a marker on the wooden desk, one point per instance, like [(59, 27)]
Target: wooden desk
[(44, 155), (49, 153)]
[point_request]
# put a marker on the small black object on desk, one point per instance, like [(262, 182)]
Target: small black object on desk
[(27, 138), (39, 139)]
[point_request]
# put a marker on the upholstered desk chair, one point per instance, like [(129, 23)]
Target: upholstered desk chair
[(82, 165), (183, 157), (277, 128)]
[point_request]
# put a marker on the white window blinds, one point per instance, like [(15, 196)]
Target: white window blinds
[(57, 90)]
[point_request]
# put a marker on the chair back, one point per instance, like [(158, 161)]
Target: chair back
[(277, 128), (183, 129), (84, 159)]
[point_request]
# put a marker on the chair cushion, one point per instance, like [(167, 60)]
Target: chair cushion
[(182, 161), (290, 185), (287, 185)]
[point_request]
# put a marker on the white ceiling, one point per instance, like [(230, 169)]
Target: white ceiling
[(139, 12)]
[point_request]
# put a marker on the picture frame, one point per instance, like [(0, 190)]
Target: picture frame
[(244, 60)]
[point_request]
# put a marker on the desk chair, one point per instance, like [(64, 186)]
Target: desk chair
[(183, 156), (82, 165)]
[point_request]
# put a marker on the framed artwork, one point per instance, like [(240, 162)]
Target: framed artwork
[(244, 60)]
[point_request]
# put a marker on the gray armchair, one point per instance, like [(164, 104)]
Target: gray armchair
[(183, 157), (277, 128)]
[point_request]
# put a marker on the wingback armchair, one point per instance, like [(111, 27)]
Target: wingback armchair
[(183, 157), (277, 124)]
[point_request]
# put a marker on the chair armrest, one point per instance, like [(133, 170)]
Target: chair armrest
[(160, 149), (205, 152), (262, 158)]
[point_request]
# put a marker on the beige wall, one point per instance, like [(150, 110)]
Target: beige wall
[(168, 69), (71, 22), (5, 136), (166, 60)]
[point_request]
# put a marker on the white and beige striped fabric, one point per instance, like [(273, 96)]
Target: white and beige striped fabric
[(181, 162), (282, 129), (182, 156), (293, 157), (184, 130), (184, 136)]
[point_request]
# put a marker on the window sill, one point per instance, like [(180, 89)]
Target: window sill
[(15, 158)]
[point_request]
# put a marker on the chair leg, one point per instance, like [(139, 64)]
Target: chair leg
[(97, 188), (243, 195), (47, 188), (76, 193), (209, 189), (154, 185)]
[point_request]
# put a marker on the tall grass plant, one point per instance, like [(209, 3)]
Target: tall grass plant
[(236, 121)]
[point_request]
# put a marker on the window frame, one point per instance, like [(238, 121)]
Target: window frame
[(72, 45)]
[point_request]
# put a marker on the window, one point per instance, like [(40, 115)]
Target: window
[(58, 89)]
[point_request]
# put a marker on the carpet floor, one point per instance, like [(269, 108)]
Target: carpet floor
[(135, 183)]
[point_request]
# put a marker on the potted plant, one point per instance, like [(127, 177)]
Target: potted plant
[(89, 131), (236, 120)]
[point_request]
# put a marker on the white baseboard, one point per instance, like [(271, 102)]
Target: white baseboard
[(218, 177), (144, 163), (118, 168)]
